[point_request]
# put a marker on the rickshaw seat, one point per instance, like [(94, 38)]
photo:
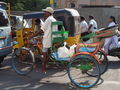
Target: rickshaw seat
[(91, 48), (57, 58)]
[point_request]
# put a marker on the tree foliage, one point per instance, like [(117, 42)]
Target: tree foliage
[(29, 5)]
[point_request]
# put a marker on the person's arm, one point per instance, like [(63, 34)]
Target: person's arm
[(118, 29), (37, 33), (90, 27)]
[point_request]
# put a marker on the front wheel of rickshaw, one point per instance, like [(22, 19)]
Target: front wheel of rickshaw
[(78, 70), (22, 61)]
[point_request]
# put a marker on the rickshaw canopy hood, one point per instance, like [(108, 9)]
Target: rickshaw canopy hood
[(70, 12), (69, 17)]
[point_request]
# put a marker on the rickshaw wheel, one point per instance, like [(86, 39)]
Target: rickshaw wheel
[(103, 61), (78, 70), (22, 61)]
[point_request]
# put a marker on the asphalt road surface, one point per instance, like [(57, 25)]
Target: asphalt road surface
[(55, 79)]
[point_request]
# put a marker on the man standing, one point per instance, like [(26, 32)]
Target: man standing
[(47, 30), (38, 23), (92, 24), (83, 27), (83, 24)]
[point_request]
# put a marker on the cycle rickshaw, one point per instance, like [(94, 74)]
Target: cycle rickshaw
[(84, 68)]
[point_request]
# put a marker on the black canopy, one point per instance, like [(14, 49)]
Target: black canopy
[(40, 14)]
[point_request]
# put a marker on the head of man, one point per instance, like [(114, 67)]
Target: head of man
[(37, 21), (82, 18), (112, 19), (48, 12), (91, 17)]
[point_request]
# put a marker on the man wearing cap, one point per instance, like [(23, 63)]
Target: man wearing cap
[(47, 30)]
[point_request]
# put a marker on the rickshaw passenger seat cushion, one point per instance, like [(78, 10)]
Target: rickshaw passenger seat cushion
[(56, 57), (87, 49)]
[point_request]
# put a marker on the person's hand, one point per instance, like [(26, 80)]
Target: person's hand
[(89, 31), (97, 32), (31, 37)]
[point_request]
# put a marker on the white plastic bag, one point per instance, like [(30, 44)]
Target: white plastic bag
[(72, 50), (63, 52)]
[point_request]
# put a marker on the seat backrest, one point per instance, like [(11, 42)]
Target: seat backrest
[(59, 35), (91, 48)]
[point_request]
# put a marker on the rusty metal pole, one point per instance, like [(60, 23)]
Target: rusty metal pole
[(9, 10), (65, 3)]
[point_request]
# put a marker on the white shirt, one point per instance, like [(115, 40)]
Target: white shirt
[(46, 27), (111, 24), (94, 25), (83, 26), (113, 39)]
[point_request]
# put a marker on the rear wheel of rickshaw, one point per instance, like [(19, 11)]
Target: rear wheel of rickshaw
[(23, 61), (103, 61), (78, 70)]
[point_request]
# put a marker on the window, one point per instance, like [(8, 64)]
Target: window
[(28, 23), (3, 20)]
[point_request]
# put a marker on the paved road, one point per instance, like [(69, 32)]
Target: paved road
[(55, 79)]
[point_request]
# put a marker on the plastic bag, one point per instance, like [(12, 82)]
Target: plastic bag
[(63, 52), (72, 50)]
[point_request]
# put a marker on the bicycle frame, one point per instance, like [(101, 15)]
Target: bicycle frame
[(38, 44)]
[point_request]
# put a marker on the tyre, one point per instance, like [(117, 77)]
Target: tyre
[(2, 59), (78, 70), (22, 61), (103, 61)]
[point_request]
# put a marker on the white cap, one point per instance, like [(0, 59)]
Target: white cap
[(48, 9)]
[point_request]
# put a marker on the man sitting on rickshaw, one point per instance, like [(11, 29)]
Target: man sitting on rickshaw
[(38, 24), (47, 30)]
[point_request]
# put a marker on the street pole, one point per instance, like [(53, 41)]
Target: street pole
[(52, 3)]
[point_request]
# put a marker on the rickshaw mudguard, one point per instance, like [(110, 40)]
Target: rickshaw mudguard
[(84, 53), (103, 52)]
